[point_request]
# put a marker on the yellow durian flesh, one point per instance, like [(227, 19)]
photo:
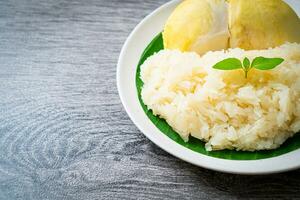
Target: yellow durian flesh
[(197, 25), (260, 24), (207, 25)]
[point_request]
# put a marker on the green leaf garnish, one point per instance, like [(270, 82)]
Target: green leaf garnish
[(260, 63), (228, 64)]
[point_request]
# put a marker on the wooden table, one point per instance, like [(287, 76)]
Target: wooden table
[(63, 131)]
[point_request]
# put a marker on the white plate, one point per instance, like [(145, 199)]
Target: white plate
[(131, 52)]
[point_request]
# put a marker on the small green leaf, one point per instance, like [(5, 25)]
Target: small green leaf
[(246, 63), (262, 63), (228, 64)]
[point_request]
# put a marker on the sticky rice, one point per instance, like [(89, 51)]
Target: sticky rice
[(223, 108)]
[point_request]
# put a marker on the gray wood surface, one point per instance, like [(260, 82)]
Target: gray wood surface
[(63, 131)]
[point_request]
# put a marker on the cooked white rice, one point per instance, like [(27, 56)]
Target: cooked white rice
[(223, 108)]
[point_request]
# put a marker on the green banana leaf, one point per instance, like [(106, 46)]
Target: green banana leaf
[(196, 144)]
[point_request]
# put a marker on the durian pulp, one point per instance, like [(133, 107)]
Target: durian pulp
[(218, 36)]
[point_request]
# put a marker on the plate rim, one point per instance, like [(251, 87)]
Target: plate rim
[(263, 166)]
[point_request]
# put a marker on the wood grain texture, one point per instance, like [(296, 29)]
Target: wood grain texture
[(63, 131)]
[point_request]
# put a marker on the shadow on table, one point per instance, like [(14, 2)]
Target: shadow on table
[(273, 186), (280, 185)]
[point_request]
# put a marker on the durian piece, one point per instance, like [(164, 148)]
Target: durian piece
[(198, 25), (260, 24)]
